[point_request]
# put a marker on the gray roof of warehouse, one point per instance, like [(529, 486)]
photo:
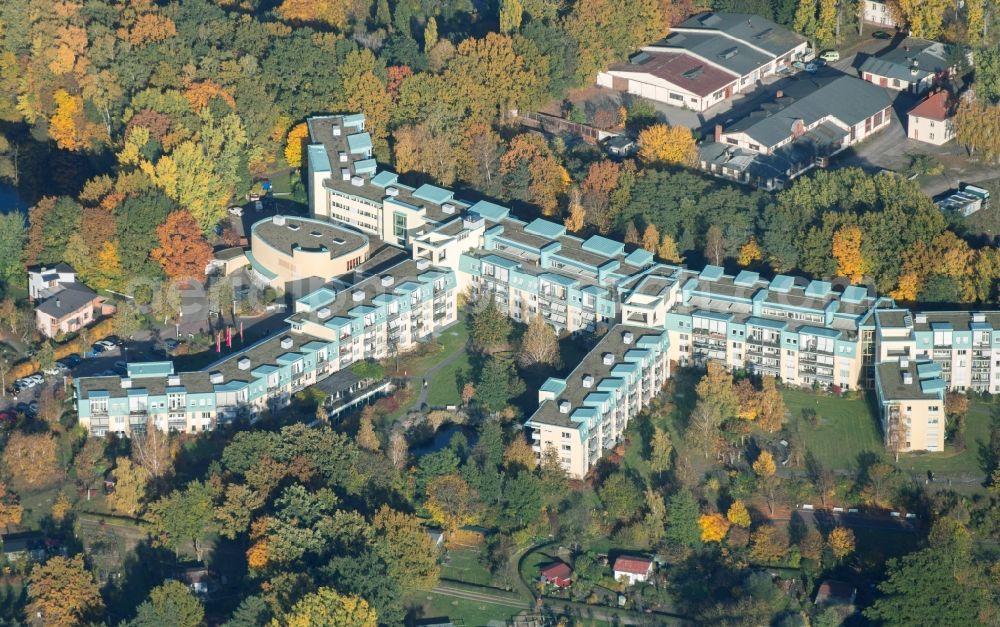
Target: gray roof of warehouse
[(846, 98), (750, 28), (718, 49), (931, 57)]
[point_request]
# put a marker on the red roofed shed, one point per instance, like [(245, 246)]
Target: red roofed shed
[(557, 574)]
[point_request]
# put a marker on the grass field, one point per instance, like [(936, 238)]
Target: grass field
[(977, 433), (465, 565), (444, 387), (847, 428), (450, 340), (427, 605)]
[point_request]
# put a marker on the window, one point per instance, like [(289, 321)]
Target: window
[(567, 447), (99, 406), (399, 227), (565, 434)]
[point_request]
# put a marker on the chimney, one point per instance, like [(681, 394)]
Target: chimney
[(58, 303), (718, 133), (778, 95)]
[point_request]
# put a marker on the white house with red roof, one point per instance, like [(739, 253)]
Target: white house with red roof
[(633, 570), (931, 120)]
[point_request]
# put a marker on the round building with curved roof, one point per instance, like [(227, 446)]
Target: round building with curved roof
[(289, 249)]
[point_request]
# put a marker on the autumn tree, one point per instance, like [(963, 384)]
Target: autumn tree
[(805, 18), (847, 252), (406, 547), (539, 346), (597, 189), (750, 253), (738, 514), (651, 238), (923, 17), (31, 460), (764, 465), (672, 145), (714, 527), (768, 545), (770, 405), (326, 12), (63, 593), (421, 149), (576, 215), (152, 450), (531, 173), (518, 454), (450, 502), (293, 144), (667, 250), (10, 510), (61, 508), (183, 251), (841, 541), (660, 449), (367, 439), (827, 22), (130, 487), (329, 608)]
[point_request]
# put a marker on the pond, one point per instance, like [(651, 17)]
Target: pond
[(10, 199), (443, 437)]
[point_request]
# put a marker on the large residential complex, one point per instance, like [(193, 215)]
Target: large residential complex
[(800, 129), (329, 331), (651, 317), (707, 59)]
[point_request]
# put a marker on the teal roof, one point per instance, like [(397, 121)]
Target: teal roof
[(928, 386), (434, 194), (263, 370), (746, 278), (315, 300), (820, 331), (319, 161), (544, 228), (603, 246), (818, 289), (359, 143), (259, 267), (314, 346), (782, 283), (777, 325), (928, 370), (565, 281), (354, 120), (337, 322), (490, 211), (501, 261), (711, 273), (854, 294), (143, 369), (288, 358), (365, 166), (385, 178), (98, 394), (553, 386), (713, 315), (137, 392), (639, 257)]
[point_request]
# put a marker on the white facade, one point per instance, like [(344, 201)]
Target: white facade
[(878, 13)]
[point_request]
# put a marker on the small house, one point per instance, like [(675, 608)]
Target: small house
[(931, 120), (26, 545), (632, 570), (197, 578), (436, 536), (835, 593), (558, 574), (620, 146)]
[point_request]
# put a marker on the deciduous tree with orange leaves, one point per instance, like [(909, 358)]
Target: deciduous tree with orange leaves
[(662, 144), (841, 541), (847, 251), (293, 144), (738, 514), (183, 251), (764, 466), (450, 502), (714, 527)]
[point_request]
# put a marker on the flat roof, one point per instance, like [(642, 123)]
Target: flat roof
[(308, 234)]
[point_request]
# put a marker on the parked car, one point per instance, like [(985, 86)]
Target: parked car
[(881, 34), (7, 416), (21, 408), (71, 361), (97, 347), (53, 371), (35, 379), (107, 344), (32, 409), (236, 210)]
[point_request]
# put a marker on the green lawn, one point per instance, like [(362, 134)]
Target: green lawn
[(465, 565), (847, 428), (444, 388), (433, 605), (450, 340), (977, 432)]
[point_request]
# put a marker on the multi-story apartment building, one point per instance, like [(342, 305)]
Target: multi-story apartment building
[(807, 333), (329, 331), (584, 415), (911, 405)]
